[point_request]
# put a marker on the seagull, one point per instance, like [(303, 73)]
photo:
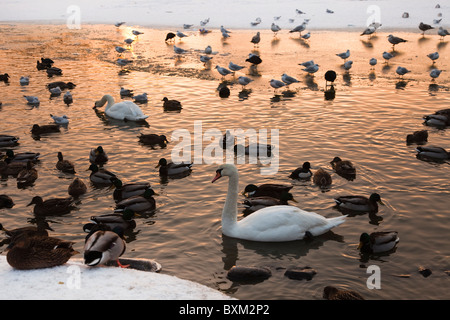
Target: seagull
[(275, 28), (344, 55), (123, 62), (118, 24), (387, 56), (307, 63), (369, 31), (126, 92), (24, 81), (299, 11), (299, 28), (137, 33), (256, 39), (204, 22), (256, 22), (68, 99), (223, 71), (234, 67), (205, 59), (435, 73), (60, 120), (395, 40), (402, 71), (373, 62), (208, 50), (253, 59), (433, 56), (329, 11), (243, 81), (443, 32), (141, 98), (312, 69), (178, 50), (56, 91), (437, 21), (348, 65), (32, 99), (120, 49), (222, 29), (288, 79), (129, 41), (225, 35), (306, 36), (276, 84), (187, 26), (181, 34), (424, 27)]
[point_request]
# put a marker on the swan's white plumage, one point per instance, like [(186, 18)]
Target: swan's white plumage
[(124, 110), (271, 224)]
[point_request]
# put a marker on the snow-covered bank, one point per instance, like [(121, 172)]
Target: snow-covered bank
[(75, 281), (323, 14)]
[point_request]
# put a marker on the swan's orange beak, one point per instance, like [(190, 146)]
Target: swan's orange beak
[(218, 176)]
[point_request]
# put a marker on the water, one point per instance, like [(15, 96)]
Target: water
[(367, 122)]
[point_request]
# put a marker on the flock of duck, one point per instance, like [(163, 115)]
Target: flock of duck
[(269, 217)]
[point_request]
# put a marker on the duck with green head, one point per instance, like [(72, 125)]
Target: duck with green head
[(255, 203), (377, 242), (125, 191), (123, 220), (98, 156), (104, 246), (268, 189), (359, 203), (100, 176), (172, 169), (143, 203)]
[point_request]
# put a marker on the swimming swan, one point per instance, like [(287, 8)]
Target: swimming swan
[(124, 110), (272, 224)]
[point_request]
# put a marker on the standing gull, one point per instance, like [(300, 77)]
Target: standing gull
[(205, 59), (118, 24), (373, 62), (299, 28), (307, 63), (128, 41), (275, 28), (402, 71), (443, 32), (288, 80), (306, 36), (178, 50), (222, 29), (435, 73), (424, 27), (234, 67), (312, 69), (223, 71), (276, 84), (344, 55), (136, 32), (395, 40), (180, 34), (348, 65), (244, 81), (433, 56), (368, 31), (387, 56), (256, 39)]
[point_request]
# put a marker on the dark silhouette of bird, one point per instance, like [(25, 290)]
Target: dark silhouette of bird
[(170, 36), (424, 27), (330, 76)]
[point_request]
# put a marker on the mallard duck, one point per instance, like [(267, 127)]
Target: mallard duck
[(143, 203), (22, 156), (171, 104), (153, 139), (102, 247), (359, 203), (77, 187), (376, 242), (98, 156), (125, 191), (6, 201), (62, 85), (100, 175), (64, 165), (433, 153), (123, 220), (417, 137), (303, 172), (26, 253), (343, 167), (333, 293), (11, 168), (54, 71), (53, 206), (4, 77), (268, 189), (30, 231), (46, 128), (322, 178), (27, 176), (256, 203), (8, 140), (437, 120), (171, 169)]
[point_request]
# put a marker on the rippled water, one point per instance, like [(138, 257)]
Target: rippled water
[(367, 122)]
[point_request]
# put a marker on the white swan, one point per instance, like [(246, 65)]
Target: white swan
[(271, 224), (124, 110)]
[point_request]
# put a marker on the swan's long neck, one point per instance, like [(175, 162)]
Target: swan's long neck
[(229, 213), (109, 99)]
